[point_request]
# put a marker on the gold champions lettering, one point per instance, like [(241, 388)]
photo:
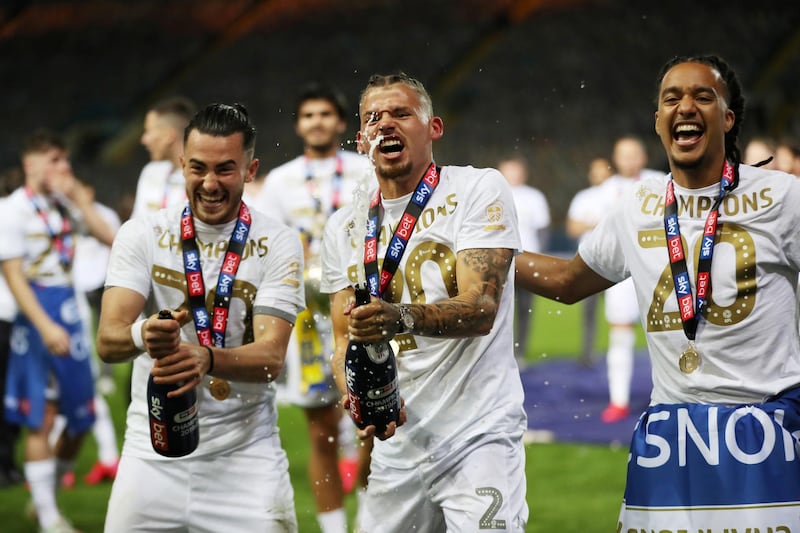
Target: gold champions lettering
[(698, 206), (254, 247), (425, 220), (242, 290), (718, 313)]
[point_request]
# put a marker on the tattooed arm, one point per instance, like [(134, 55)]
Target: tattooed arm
[(481, 274)]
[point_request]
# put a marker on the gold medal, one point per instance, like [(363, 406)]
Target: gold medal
[(689, 361), (220, 389)]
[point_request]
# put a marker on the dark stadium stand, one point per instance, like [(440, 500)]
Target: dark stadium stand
[(556, 81)]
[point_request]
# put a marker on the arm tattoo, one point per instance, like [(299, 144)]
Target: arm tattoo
[(473, 311)]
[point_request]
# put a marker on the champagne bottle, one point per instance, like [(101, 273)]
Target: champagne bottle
[(371, 377), (174, 429)]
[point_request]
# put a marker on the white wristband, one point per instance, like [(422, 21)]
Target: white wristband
[(136, 334)]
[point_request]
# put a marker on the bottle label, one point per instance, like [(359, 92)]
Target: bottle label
[(382, 403), (355, 408), (379, 353), (372, 403), (174, 425), (185, 422), (158, 428), (186, 415), (382, 392)]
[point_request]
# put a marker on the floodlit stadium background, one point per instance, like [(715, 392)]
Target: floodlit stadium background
[(554, 80)]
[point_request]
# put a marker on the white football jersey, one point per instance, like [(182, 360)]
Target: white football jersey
[(91, 255), (146, 257), (8, 305), (616, 187), (748, 337), (160, 185), (26, 235), (454, 389), (290, 196), (302, 193), (533, 213), (587, 207)]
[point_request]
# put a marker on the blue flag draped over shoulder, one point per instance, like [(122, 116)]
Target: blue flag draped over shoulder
[(715, 468)]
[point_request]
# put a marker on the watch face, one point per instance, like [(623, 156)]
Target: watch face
[(407, 318)]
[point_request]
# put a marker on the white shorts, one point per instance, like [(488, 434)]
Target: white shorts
[(481, 488), (621, 304), (244, 491)]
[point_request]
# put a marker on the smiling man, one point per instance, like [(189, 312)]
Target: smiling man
[(714, 255), (458, 463), (249, 279)]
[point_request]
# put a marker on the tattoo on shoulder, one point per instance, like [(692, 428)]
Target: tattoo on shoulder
[(490, 262), (473, 310)]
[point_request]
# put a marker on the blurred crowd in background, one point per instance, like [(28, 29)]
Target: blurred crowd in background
[(555, 82)]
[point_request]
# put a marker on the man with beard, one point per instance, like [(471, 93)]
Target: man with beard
[(440, 243)]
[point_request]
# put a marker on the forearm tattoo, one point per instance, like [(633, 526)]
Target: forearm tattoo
[(473, 311)]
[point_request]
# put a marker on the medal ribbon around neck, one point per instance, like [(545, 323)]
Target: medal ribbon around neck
[(336, 186), (692, 311), (62, 240), (377, 283), (167, 187), (211, 330)]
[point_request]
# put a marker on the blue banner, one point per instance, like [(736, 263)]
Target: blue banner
[(714, 467)]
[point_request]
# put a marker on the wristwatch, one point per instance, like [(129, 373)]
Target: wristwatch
[(406, 319)]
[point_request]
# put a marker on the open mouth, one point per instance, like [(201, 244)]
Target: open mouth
[(687, 133), (212, 200), (390, 146)]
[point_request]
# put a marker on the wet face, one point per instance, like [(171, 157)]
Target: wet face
[(46, 171), (693, 117), (393, 114), (158, 136), (319, 125), (216, 169)]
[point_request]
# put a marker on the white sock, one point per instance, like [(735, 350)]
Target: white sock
[(620, 364), (333, 521), (41, 478), (103, 431)]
